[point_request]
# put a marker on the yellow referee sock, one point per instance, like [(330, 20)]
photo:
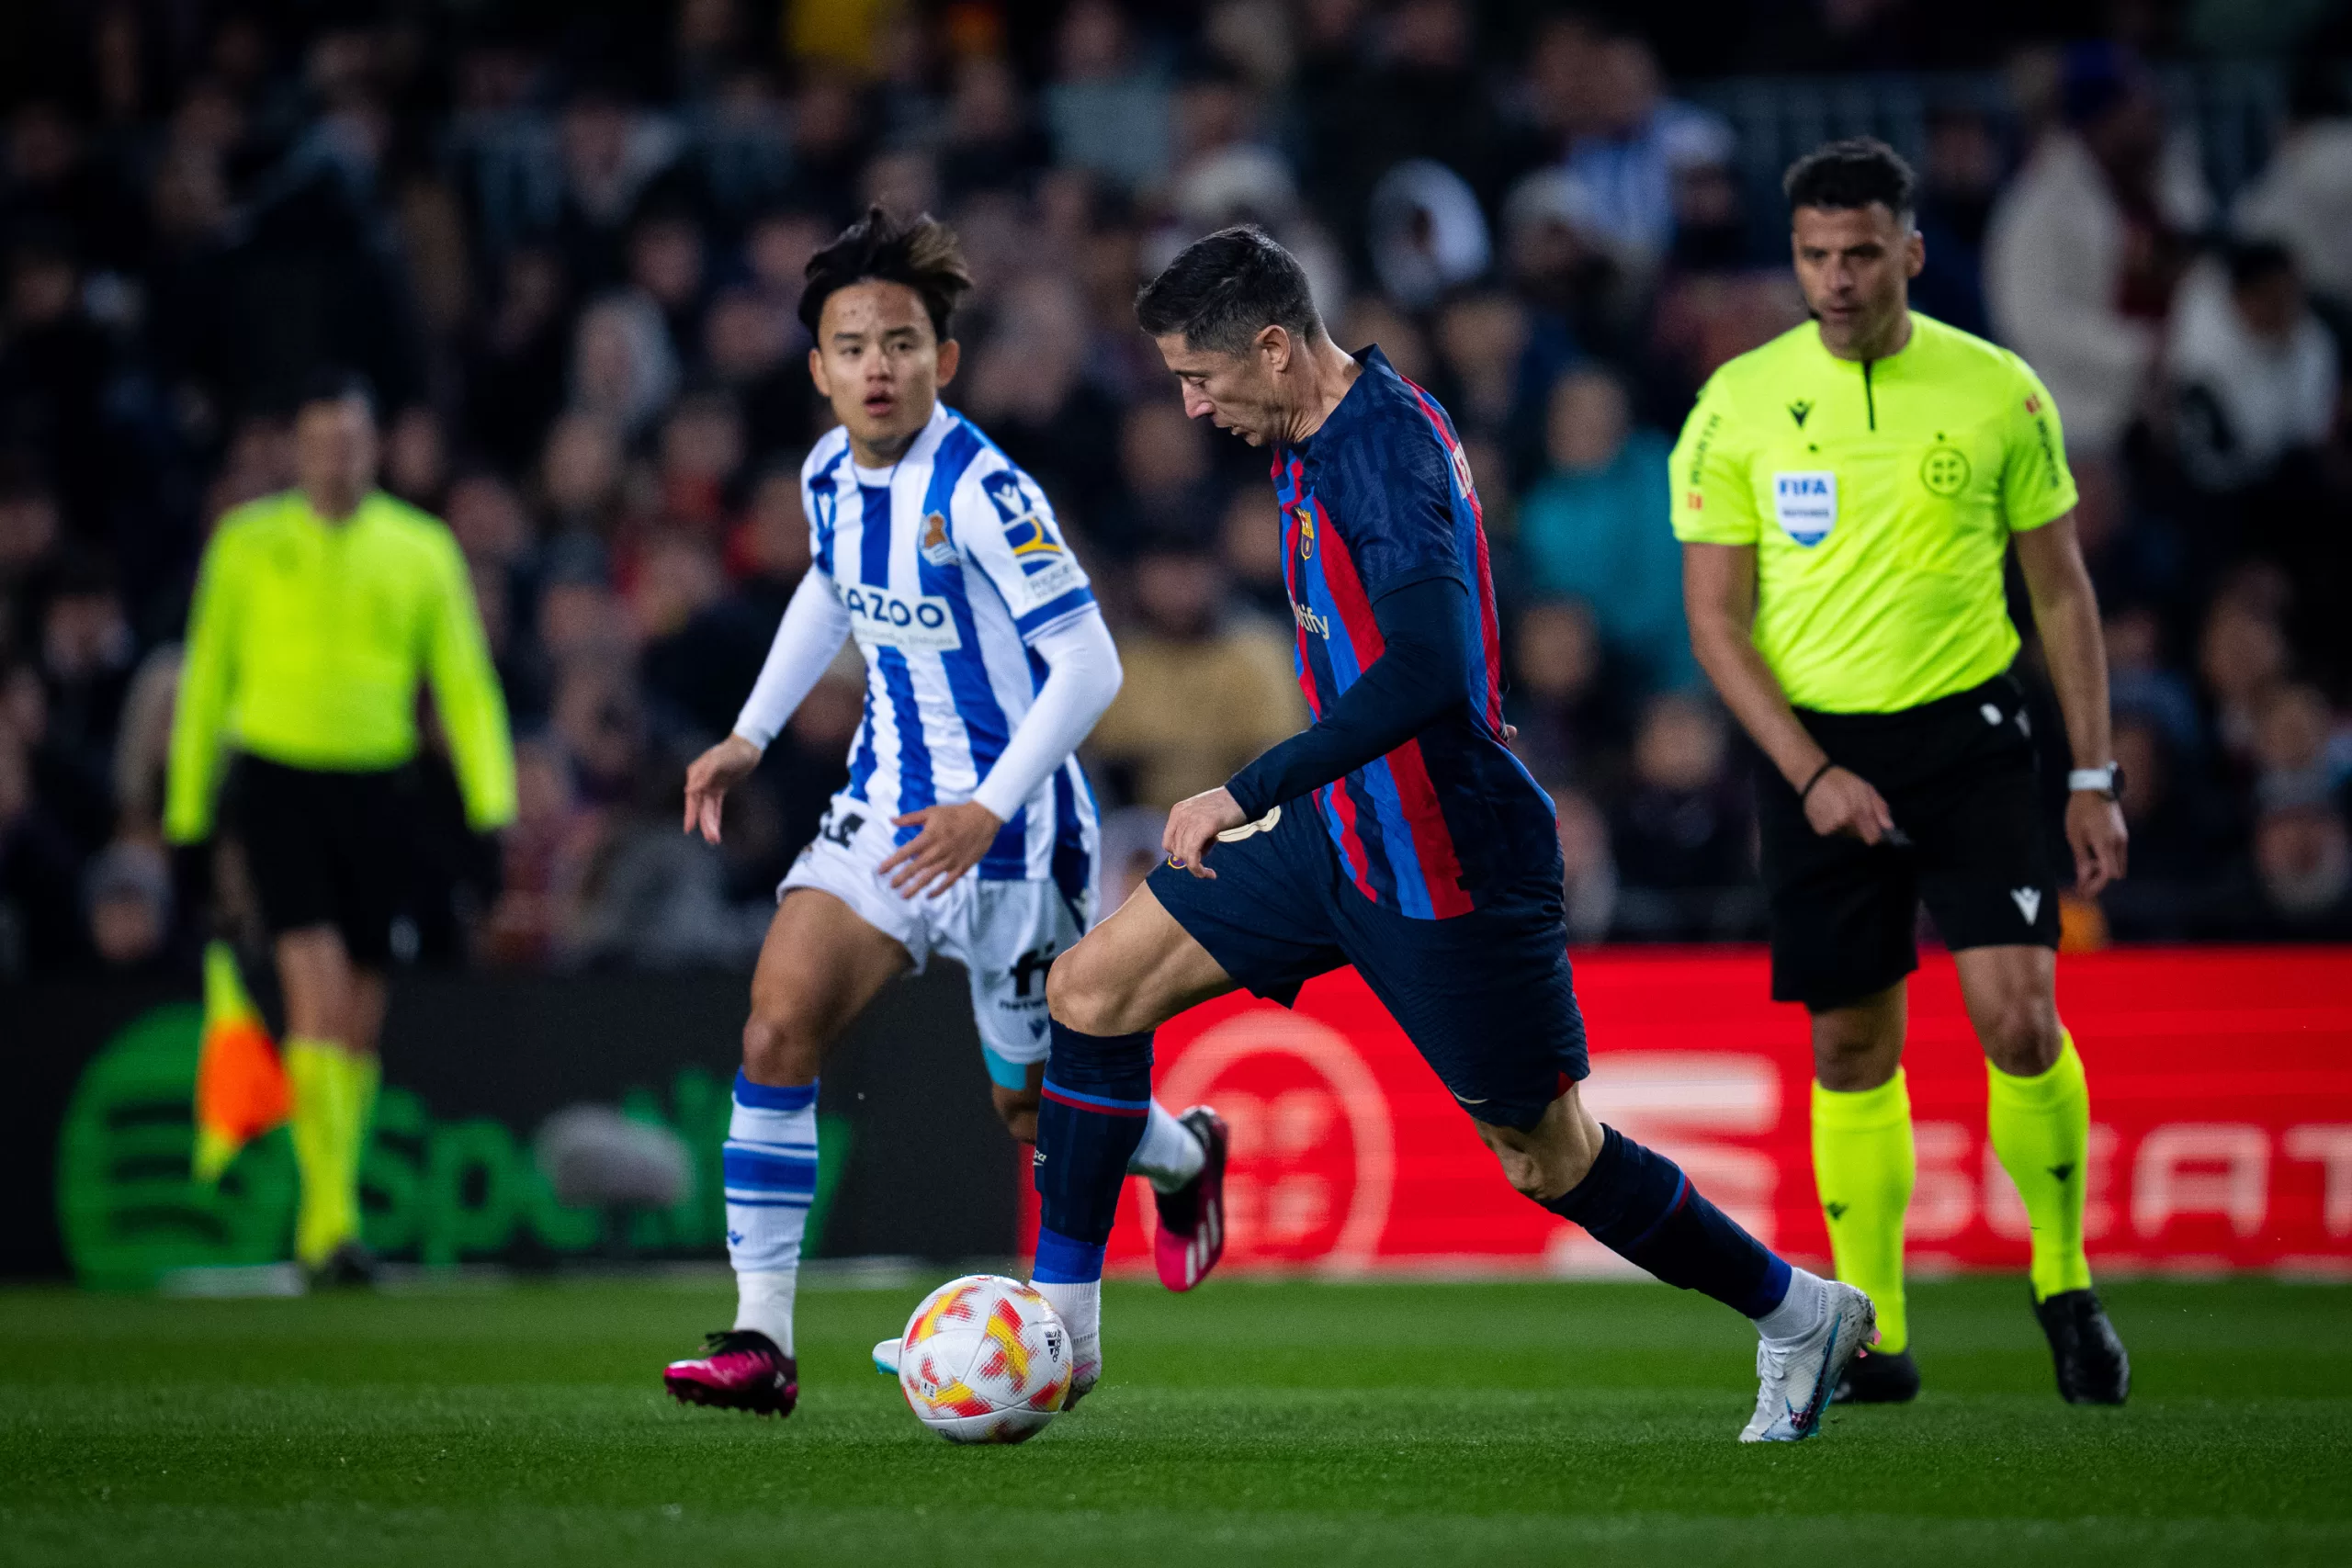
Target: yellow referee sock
[(361, 1076), (1863, 1167), (2041, 1131), (317, 1073)]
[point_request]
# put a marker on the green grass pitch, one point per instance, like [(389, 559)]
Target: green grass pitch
[(1421, 1424)]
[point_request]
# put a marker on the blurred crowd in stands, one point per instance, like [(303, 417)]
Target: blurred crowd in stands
[(565, 245)]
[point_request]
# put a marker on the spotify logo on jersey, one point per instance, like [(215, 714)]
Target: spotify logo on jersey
[(1944, 470)]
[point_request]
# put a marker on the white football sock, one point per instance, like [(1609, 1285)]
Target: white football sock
[(765, 1302), (1170, 1156), (1080, 1306), (1800, 1310), (769, 1166)]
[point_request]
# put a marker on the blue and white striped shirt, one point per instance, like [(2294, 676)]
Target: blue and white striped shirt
[(950, 565)]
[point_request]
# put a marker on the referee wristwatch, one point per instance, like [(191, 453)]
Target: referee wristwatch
[(2107, 781)]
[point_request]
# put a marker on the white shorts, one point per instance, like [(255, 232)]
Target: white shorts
[(1004, 934)]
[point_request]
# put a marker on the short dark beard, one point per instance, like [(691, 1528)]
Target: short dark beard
[(1878, 350), (357, 495)]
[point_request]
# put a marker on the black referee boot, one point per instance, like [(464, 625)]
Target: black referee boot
[(2092, 1366), (1879, 1377), (350, 1267)]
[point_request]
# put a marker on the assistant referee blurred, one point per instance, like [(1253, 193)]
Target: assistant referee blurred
[(1847, 496), (316, 612)]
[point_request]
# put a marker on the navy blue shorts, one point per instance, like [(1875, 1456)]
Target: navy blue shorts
[(1487, 998)]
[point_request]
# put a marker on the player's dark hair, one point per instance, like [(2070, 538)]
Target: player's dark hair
[(921, 252), (333, 384), (1222, 291), (1860, 171)]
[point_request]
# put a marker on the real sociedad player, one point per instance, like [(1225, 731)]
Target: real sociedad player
[(1398, 834), (966, 826)]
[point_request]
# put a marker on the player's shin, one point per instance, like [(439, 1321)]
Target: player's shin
[(1095, 1106), (1637, 1203), (2041, 1128), (769, 1166), (1863, 1167)]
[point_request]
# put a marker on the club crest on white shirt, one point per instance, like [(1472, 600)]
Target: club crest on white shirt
[(936, 546)]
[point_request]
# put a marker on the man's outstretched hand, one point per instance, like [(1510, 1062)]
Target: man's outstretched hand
[(1194, 825), (709, 778)]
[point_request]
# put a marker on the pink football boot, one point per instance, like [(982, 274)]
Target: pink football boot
[(740, 1368), (1192, 1218)]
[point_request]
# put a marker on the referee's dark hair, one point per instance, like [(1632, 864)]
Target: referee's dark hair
[(921, 252), (1860, 171), (333, 384), (1222, 291)]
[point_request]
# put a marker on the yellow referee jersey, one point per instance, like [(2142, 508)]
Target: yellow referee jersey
[(305, 646), (1880, 496)]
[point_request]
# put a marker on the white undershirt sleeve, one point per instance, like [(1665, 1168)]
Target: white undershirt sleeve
[(1082, 675), (810, 634)]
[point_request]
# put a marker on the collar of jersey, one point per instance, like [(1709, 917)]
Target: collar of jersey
[(1901, 355), (925, 442), (1373, 363), (299, 505)]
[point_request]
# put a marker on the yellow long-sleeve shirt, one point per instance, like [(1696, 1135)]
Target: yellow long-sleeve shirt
[(305, 646)]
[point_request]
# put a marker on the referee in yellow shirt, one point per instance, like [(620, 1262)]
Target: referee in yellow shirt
[(1846, 497), (316, 612)]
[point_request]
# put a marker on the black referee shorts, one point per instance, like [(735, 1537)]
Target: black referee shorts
[(1959, 776), (326, 849)]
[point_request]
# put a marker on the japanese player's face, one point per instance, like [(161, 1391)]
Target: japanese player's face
[(1239, 392), (1855, 265), (878, 362)]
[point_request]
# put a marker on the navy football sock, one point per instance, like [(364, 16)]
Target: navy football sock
[(1096, 1099), (1637, 1203)]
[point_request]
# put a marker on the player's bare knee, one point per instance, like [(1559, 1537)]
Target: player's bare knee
[(1081, 993), (2021, 1037), (1848, 1064), (1530, 1161), (1524, 1171), (779, 1048)]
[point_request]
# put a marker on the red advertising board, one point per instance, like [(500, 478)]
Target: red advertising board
[(2221, 1108)]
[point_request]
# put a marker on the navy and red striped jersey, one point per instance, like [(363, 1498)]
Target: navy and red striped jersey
[(1378, 498)]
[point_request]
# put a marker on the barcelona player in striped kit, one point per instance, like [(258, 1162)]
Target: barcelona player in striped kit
[(1398, 834), (965, 826)]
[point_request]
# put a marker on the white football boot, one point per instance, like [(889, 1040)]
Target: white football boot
[(1795, 1378)]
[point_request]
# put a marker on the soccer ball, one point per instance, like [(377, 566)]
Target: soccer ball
[(985, 1360)]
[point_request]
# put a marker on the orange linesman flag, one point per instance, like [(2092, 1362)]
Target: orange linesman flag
[(241, 1089)]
